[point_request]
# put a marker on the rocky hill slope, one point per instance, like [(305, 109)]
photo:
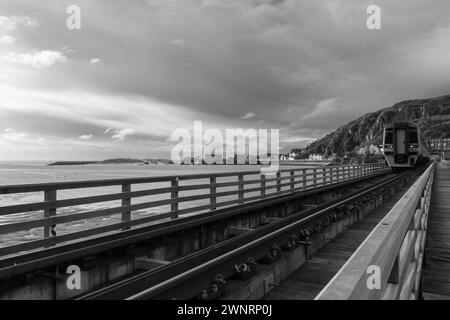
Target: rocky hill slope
[(433, 116)]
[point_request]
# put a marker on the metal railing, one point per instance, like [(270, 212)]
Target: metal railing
[(388, 264), (172, 197)]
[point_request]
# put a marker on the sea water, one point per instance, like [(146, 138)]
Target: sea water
[(30, 172)]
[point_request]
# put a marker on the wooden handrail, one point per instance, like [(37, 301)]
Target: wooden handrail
[(36, 187), (220, 193), (394, 249)]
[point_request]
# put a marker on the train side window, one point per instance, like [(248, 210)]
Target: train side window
[(413, 138), (389, 137)]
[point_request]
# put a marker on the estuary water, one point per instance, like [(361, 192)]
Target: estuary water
[(12, 173)]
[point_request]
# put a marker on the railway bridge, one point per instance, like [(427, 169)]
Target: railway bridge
[(328, 232)]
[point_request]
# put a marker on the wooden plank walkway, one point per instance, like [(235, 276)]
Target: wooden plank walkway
[(307, 281), (436, 272)]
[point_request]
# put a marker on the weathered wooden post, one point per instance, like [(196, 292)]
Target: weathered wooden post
[(126, 215), (49, 195), (331, 174), (241, 188), (278, 181), (213, 191), (263, 185), (292, 181), (304, 179), (174, 196)]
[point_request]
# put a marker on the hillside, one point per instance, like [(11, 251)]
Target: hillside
[(432, 115)]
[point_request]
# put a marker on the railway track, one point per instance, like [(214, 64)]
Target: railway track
[(204, 271)]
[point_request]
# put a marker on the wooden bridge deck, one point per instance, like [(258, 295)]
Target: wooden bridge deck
[(436, 274), (307, 281)]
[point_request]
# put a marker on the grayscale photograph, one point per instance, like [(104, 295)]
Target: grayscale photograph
[(222, 156)]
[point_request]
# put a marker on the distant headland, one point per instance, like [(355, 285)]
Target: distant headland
[(112, 161)]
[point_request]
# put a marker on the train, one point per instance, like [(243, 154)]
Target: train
[(404, 146)]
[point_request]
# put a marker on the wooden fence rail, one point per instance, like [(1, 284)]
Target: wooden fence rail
[(388, 264), (182, 194)]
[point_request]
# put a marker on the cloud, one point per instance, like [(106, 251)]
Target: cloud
[(328, 114), (178, 42), (12, 22), (323, 109), (11, 135), (108, 130), (120, 135), (95, 60), (7, 40), (263, 56), (249, 115), (85, 137), (40, 60)]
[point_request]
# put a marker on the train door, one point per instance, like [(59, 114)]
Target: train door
[(401, 141)]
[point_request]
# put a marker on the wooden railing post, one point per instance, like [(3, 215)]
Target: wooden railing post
[(314, 177), (278, 181), (394, 274), (241, 188), (324, 176), (174, 195), (126, 216), (304, 179), (213, 191), (292, 181), (49, 231), (263, 185)]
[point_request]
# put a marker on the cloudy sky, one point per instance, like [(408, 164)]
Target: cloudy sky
[(137, 70)]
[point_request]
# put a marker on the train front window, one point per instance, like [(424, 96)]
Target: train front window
[(389, 137), (413, 137)]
